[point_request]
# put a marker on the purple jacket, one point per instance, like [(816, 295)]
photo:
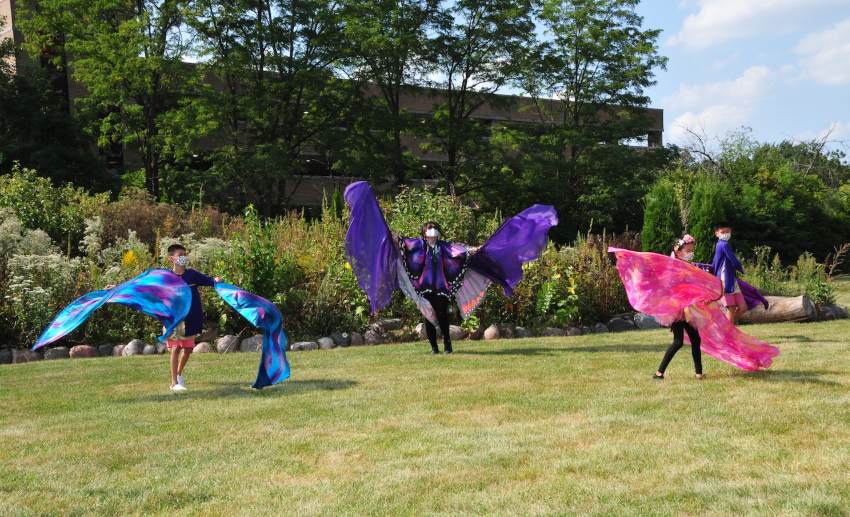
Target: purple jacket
[(751, 295), (437, 269), (725, 264)]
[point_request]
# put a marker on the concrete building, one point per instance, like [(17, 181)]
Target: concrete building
[(307, 191)]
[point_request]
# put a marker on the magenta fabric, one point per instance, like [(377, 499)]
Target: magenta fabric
[(673, 290)]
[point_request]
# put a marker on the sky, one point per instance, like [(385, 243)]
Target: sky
[(778, 67)]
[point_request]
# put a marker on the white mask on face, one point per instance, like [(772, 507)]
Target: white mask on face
[(725, 236), (182, 260), (432, 232), (688, 256)]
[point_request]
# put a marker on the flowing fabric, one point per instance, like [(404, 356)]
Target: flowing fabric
[(382, 265), (752, 296), (264, 315), (672, 290), (156, 292), (369, 245)]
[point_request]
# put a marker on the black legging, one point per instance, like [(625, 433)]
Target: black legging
[(441, 309), (679, 329)]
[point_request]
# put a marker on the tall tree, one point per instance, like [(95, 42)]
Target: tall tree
[(129, 56), (281, 98), (389, 41), (474, 53)]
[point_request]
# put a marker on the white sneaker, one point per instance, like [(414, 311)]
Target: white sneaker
[(180, 381), (178, 387)]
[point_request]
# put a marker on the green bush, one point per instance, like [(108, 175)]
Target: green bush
[(708, 207), (807, 276), (662, 222)]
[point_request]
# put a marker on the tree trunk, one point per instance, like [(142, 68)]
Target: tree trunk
[(782, 309)]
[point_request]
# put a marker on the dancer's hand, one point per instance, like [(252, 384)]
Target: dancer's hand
[(109, 286), (217, 279)]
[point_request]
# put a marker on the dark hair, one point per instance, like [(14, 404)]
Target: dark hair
[(174, 248), (429, 224), (722, 224)]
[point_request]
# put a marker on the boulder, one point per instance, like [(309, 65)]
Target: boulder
[(522, 332), (134, 347), (118, 350), (620, 325), (341, 338), (420, 332), (227, 344), (831, 312), (587, 330), (161, 347), (57, 352), (492, 332), (81, 351), (506, 331), (6, 356), (574, 331), (252, 344), (357, 339), (26, 356), (208, 335), (327, 343), (385, 325), (553, 332), (645, 321), (373, 337), (304, 345), (476, 334), (149, 350), (457, 333), (203, 348), (105, 350), (599, 328)]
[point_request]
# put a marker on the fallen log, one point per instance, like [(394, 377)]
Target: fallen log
[(782, 309)]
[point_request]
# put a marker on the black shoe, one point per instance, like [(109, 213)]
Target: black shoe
[(657, 377), (435, 351), (449, 351)]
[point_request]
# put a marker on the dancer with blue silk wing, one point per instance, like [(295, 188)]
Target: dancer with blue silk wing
[(434, 272)]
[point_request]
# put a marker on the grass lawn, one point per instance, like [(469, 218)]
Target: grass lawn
[(533, 426)]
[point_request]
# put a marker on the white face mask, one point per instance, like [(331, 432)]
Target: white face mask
[(688, 256), (432, 232), (182, 260), (724, 236)]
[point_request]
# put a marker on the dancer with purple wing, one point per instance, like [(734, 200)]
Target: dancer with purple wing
[(433, 272)]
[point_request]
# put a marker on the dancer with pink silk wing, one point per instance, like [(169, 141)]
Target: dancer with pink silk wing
[(685, 298), (432, 272)]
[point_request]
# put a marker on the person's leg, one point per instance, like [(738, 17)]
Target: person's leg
[(693, 335), (183, 360), (442, 310), (678, 329), (175, 358), (430, 329)]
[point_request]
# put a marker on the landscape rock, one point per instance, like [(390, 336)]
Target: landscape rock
[(26, 356), (506, 331), (357, 339), (522, 332), (227, 344), (203, 348), (476, 334), (6, 356), (492, 332), (599, 328), (420, 332), (645, 321), (373, 337), (208, 335), (160, 347), (620, 325), (252, 344), (105, 350), (341, 338), (587, 330), (58, 352), (457, 333), (326, 343), (385, 325), (574, 331), (134, 347), (304, 345), (149, 350), (554, 331), (118, 350), (81, 351)]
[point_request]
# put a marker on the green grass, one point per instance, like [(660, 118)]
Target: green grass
[(533, 426)]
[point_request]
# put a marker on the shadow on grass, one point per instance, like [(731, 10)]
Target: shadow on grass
[(798, 376), (795, 339), (633, 349), (225, 390)]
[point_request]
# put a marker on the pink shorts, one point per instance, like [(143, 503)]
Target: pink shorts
[(730, 299), (188, 342)]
